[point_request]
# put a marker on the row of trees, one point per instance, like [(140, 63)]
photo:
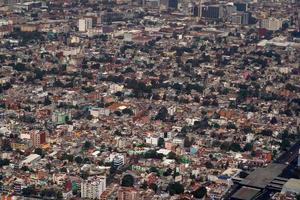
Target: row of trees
[(142, 87), (236, 147), (173, 188), (4, 162), (71, 158), (178, 188), (52, 193)]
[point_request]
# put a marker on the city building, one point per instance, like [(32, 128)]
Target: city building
[(212, 11), (127, 193), (271, 24), (38, 138), (93, 187), (85, 24), (291, 186), (172, 99), (118, 161), (61, 117), (31, 159)]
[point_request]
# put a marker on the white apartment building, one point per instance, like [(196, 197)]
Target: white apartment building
[(93, 187), (85, 24)]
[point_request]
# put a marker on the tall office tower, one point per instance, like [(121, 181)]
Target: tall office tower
[(152, 4), (196, 11), (108, 17), (246, 18), (137, 2), (298, 20), (243, 18), (190, 9), (298, 164), (89, 23), (93, 187), (199, 4), (85, 24), (173, 4), (212, 12), (10, 2), (168, 4)]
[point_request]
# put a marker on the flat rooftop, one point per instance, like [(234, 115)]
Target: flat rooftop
[(261, 177), (246, 193)]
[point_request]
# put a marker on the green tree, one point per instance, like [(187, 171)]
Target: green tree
[(47, 101), (39, 151), (248, 147), (127, 181), (87, 145), (64, 170), (247, 129), (172, 155), (112, 169), (200, 192), (273, 120), (175, 188), (285, 142), (51, 193), (127, 111), (235, 147), (216, 125), (161, 142), (78, 159), (6, 146), (153, 154), (68, 157), (25, 168), (162, 114), (144, 185), (86, 160), (153, 187), (29, 191), (153, 169), (231, 125), (4, 162), (225, 146), (168, 172), (209, 165), (84, 175), (188, 142), (48, 166)]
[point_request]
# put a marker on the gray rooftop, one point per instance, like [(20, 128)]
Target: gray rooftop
[(246, 193), (261, 177)]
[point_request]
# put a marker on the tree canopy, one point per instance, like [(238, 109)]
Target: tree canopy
[(175, 188), (200, 192), (127, 181)]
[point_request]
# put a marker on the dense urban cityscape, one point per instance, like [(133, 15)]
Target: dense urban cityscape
[(150, 99)]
